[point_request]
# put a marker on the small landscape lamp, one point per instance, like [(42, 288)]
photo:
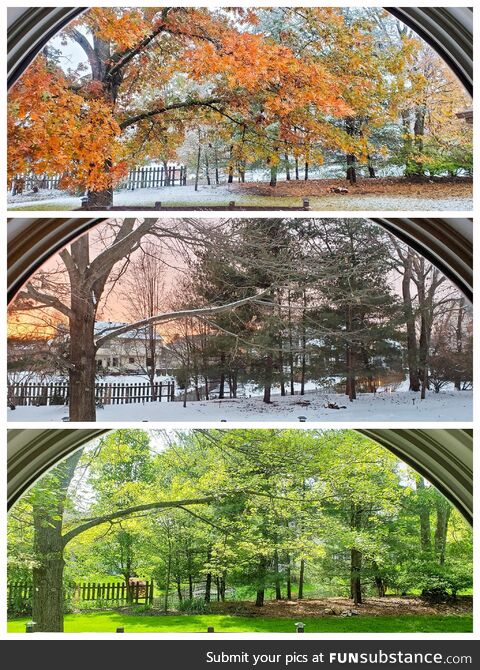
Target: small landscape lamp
[(210, 629), (30, 627), (302, 419), (120, 629), (300, 626), (306, 203)]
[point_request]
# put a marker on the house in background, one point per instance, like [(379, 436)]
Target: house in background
[(131, 352)]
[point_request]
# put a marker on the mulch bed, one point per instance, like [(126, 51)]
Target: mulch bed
[(442, 187), (323, 607)]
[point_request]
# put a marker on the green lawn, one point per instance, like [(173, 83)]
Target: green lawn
[(107, 622)]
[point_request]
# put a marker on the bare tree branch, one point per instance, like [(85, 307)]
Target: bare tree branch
[(169, 316)]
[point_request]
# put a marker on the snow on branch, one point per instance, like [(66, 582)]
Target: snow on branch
[(170, 316)]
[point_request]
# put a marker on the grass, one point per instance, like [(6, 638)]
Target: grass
[(107, 622), (325, 202)]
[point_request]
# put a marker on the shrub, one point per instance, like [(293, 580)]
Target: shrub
[(194, 606), (19, 606)]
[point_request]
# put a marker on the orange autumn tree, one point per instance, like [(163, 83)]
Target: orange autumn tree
[(147, 74)]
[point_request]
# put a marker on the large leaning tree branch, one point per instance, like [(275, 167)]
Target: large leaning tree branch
[(132, 120), (128, 511), (170, 316)]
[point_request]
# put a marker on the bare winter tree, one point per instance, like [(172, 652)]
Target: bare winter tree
[(88, 280), (144, 293)]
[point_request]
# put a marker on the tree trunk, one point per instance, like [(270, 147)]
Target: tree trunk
[(419, 132), (371, 169), (179, 590), (207, 169), (208, 587), (301, 579), (197, 171), (273, 173), (459, 336), (260, 598), (443, 510), (424, 516), (351, 130), (290, 347), (412, 351), (217, 174), (379, 583), (190, 586), (208, 580), (262, 570), (355, 580), (166, 174), (356, 558), (221, 392), (303, 372), (99, 199), (351, 170), (83, 307), (306, 171), (167, 582), (297, 170), (278, 588), (289, 578), (48, 594), (287, 167), (230, 167), (48, 545), (423, 342), (350, 389), (280, 352), (268, 377), (223, 586)]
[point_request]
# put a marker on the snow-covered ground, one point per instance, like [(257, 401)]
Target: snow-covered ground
[(186, 196), (385, 406)]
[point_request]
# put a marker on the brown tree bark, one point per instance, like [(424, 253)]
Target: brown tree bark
[(412, 349), (424, 516), (262, 570), (443, 510), (268, 378), (301, 579), (48, 543), (459, 335), (287, 167), (278, 587), (356, 558)]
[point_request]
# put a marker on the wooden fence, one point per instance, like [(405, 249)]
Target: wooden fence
[(31, 181), (155, 177), (136, 592), (144, 177), (56, 393)]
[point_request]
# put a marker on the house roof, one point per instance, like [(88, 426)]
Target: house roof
[(104, 327)]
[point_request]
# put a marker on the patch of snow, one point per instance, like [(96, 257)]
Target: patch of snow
[(396, 406), (222, 195)]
